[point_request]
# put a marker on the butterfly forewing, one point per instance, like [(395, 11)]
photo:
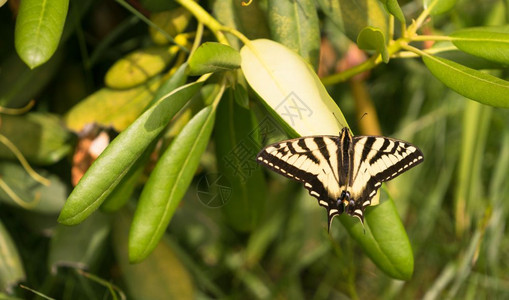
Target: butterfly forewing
[(379, 159), (311, 160)]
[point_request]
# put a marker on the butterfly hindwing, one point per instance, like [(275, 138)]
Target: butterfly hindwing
[(378, 159), (310, 160)]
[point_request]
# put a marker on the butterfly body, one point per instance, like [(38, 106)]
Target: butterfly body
[(343, 172)]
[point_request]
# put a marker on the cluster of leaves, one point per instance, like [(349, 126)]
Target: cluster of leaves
[(202, 93)]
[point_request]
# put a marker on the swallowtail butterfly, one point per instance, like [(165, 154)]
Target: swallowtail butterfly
[(343, 172)]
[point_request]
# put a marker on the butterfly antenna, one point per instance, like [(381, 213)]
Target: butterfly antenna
[(365, 114), (338, 120)]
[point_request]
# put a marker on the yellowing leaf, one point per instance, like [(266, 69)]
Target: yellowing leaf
[(110, 107), (139, 66), (290, 87)]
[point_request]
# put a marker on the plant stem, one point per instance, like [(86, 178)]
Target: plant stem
[(410, 54), (197, 39), (17, 199), (205, 18), (431, 38), (417, 51), (17, 111), (4, 140), (237, 34), (345, 75), (412, 29)]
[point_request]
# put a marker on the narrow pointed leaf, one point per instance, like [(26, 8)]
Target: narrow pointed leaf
[(447, 50), (473, 84), (39, 27), (213, 57), (124, 190), (490, 43), (372, 38), (168, 183), (236, 148), (116, 160), (178, 78)]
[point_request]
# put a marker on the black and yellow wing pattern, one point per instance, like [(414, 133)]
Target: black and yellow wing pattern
[(343, 172)]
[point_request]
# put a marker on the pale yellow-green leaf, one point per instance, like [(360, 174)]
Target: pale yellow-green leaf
[(290, 87), (172, 21), (139, 66), (110, 107)]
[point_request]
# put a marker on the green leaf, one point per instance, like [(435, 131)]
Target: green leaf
[(168, 183), (40, 137), (124, 190), (47, 199), (236, 147), (491, 43), (290, 88), (385, 240), (372, 38), (39, 27), (439, 6), (163, 267), (295, 25), (172, 21), (11, 267), (111, 107), (394, 9), (351, 16), (473, 84), (139, 66), (178, 78), (213, 57), (19, 84), (120, 155), (240, 95), (447, 50), (79, 246)]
